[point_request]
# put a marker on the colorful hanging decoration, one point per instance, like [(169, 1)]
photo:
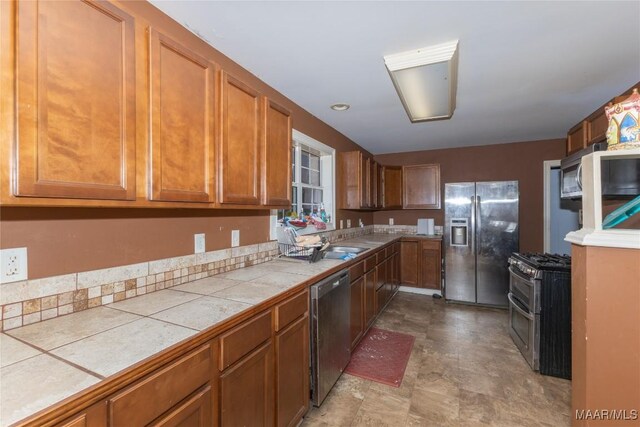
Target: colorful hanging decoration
[(624, 119)]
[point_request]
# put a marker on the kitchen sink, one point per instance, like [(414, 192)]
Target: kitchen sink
[(337, 252)]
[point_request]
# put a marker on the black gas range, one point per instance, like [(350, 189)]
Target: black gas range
[(540, 311)]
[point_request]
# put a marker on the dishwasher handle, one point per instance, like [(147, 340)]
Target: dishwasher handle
[(329, 284)]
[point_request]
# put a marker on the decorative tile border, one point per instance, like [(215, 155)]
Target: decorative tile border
[(31, 301)]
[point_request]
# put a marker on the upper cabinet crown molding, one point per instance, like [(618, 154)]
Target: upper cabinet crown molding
[(182, 122), (76, 104), (240, 142)]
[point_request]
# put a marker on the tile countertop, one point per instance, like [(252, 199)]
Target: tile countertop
[(44, 363)]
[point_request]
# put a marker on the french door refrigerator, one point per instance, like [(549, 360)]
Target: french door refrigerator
[(480, 233)]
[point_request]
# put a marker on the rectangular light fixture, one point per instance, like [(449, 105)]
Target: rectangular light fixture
[(426, 80)]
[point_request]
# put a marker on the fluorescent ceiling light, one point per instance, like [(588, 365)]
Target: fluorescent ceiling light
[(426, 80)]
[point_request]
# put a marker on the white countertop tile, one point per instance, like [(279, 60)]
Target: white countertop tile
[(36, 383), (12, 351), (116, 349), (154, 302), (201, 313), (65, 329)]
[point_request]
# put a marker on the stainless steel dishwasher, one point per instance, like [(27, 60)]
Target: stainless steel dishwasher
[(330, 333)]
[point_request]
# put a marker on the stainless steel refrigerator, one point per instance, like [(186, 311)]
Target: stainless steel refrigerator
[(480, 233)]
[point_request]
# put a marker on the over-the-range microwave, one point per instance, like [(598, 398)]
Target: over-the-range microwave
[(620, 178)]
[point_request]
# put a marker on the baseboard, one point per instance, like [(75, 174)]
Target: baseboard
[(421, 291)]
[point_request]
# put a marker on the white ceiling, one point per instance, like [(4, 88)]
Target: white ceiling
[(527, 70)]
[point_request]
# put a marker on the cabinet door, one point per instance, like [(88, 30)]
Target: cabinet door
[(365, 182), (577, 137), (350, 180), (292, 370), (369, 297), (94, 416), (239, 153), (246, 390), (379, 186), (431, 265), (373, 184), (276, 156), (76, 106), (409, 269), (194, 412), (357, 311), (597, 125), (421, 186), (182, 123), (392, 183)]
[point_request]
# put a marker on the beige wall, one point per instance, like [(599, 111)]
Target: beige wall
[(521, 161)]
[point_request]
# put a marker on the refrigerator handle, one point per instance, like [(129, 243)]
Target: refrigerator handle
[(472, 234), (477, 214)]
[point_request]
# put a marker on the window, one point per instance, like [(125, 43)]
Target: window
[(312, 174)]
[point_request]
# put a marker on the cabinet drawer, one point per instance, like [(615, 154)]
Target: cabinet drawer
[(146, 400), (431, 244), (370, 263), (244, 338), (356, 271), (291, 309)]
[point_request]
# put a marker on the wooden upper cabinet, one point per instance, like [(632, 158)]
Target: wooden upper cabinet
[(276, 156), (182, 122), (421, 187), (76, 100), (373, 184), (380, 185), (577, 137), (365, 182), (239, 152), (392, 183), (597, 125)]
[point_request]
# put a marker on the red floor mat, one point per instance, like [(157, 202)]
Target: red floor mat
[(381, 356)]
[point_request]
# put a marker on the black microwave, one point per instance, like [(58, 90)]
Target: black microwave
[(620, 177)]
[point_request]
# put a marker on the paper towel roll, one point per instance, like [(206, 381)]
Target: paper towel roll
[(426, 226)]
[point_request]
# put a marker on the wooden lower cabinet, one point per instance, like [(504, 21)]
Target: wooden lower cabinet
[(94, 416), (246, 390), (357, 311), (292, 369), (165, 390), (431, 264), (409, 262), (369, 297), (193, 412)]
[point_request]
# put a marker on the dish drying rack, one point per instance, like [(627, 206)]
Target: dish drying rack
[(291, 248)]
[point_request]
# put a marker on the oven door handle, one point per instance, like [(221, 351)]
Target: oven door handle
[(515, 305), (521, 276)]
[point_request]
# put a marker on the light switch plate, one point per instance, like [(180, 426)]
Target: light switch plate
[(390, 221), (13, 265), (341, 224), (198, 243), (235, 238), (348, 223)]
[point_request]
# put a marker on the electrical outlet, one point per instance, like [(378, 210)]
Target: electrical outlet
[(390, 221), (341, 224), (13, 265), (235, 238), (348, 223), (198, 243)]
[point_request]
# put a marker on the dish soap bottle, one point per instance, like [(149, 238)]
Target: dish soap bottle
[(323, 213)]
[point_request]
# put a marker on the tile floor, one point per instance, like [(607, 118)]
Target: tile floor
[(464, 371)]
